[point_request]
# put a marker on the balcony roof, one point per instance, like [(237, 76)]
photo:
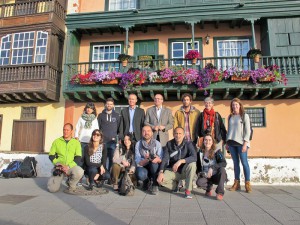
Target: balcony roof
[(197, 13)]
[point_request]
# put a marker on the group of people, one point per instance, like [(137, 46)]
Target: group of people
[(107, 145)]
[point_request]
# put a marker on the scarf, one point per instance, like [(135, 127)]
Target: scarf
[(209, 118), (145, 147), (88, 120)]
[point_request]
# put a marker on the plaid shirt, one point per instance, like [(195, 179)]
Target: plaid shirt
[(187, 126)]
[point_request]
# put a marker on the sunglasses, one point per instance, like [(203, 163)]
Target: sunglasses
[(97, 134)]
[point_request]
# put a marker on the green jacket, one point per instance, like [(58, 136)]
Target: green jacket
[(65, 152)]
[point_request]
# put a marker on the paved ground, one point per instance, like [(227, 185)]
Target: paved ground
[(26, 201)]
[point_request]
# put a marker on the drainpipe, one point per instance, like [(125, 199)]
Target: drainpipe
[(126, 27)]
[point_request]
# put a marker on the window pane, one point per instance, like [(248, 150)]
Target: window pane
[(103, 53), (22, 49), (122, 4), (5, 49), (41, 47)]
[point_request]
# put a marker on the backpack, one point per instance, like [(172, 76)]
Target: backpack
[(28, 168), (126, 186), (243, 119), (12, 169)]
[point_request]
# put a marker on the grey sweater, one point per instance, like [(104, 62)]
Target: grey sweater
[(239, 130)]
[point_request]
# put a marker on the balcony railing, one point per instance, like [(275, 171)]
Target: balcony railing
[(289, 65), (32, 7), (29, 72)]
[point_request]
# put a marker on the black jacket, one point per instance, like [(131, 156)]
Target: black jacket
[(220, 161), (109, 124), (219, 127), (187, 152)]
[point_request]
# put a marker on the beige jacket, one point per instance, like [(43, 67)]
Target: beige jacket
[(118, 158), (193, 117)]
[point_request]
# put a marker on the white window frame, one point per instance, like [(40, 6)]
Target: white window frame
[(223, 64), (102, 61), (38, 48), (185, 45), (9, 36), (21, 49), (122, 3)]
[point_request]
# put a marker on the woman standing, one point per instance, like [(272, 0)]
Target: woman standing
[(123, 160), (238, 142), (212, 170), (95, 155)]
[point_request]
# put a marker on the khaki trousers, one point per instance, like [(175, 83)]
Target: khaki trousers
[(171, 179), (74, 174)]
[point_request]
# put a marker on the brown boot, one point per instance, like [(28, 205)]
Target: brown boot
[(236, 186), (248, 187)]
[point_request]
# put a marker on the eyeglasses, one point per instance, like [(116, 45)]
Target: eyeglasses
[(97, 134)]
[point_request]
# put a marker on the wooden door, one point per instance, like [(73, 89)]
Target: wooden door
[(28, 136)]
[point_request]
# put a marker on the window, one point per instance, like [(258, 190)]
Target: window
[(28, 113), (5, 50), (232, 48), (106, 54), (25, 48), (122, 4), (257, 116), (179, 50), (118, 108)]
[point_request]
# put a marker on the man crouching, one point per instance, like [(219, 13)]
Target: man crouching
[(65, 154), (181, 155)]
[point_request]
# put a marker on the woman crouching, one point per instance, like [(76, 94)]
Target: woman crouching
[(95, 155), (123, 160), (212, 170)]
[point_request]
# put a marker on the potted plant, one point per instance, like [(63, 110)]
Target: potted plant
[(133, 76), (107, 77), (161, 76), (255, 54), (84, 79), (237, 74), (124, 59), (193, 55)]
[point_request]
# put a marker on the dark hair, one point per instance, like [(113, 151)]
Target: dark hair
[(91, 143), (186, 95), (68, 124), (131, 148), (92, 106), (110, 100), (242, 110)]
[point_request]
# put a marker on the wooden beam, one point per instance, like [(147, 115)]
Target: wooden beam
[(268, 94), (2, 99), (8, 98), (100, 95), (173, 26), (165, 94), (255, 93), (40, 97), (217, 24), (126, 95), (240, 93), (152, 94), (90, 96), (140, 95), (202, 24), (158, 26), (211, 92), (114, 96), (178, 95), (280, 94), (20, 98), (226, 93), (293, 94), (78, 97), (28, 97), (66, 96)]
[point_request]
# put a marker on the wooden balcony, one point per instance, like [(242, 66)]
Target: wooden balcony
[(29, 83), (31, 13), (224, 89)]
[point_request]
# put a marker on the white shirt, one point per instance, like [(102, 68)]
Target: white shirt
[(83, 134)]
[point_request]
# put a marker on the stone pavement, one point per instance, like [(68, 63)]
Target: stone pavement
[(26, 201)]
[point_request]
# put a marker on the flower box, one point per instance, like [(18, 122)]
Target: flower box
[(161, 80), (87, 82), (240, 79), (266, 79), (114, 81)]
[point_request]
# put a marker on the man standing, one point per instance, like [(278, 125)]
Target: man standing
[(65, 154), (148, 155), (179, 162), (132, 119), (160, 119), (186, 117), (109, 122)]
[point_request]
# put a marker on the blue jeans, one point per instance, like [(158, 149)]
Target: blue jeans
[(149, 171), (110, 146), (237, 155)]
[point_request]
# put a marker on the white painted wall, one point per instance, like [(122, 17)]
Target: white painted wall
[(283, 171)]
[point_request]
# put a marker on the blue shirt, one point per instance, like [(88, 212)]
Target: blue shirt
[(131, 115)]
